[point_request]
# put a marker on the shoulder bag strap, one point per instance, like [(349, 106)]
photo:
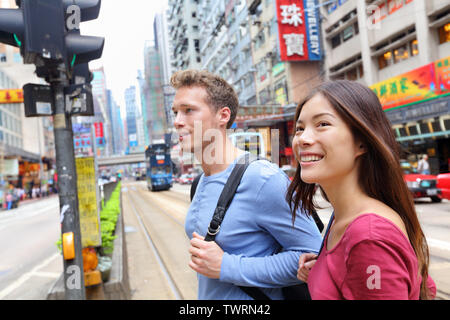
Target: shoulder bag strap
[(330, 222)]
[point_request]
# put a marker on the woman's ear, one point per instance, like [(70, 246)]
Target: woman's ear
[(361, 150)]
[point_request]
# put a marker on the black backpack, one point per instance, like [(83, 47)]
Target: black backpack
[(296, 292)]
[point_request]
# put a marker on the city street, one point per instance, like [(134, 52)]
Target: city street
[(156, 244), (29, 259)]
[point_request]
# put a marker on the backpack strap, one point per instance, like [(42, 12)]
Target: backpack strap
[(194, 185), (227, 196)]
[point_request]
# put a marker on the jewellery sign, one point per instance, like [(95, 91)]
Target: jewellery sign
[(298, 27)]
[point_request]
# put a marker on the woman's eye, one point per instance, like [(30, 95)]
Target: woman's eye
[(323, 124), (298, 129), (188, 110)]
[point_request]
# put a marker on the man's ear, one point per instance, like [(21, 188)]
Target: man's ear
[(224, 115)]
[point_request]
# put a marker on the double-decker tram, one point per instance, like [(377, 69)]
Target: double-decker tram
[(159, 166)]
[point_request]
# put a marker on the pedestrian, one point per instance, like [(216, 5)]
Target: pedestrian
[(423, 166), (9, 200), (375, 248), (258, 223)]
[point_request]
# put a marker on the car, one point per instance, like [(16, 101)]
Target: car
[(420, 185), (443, 183), (186, 179)]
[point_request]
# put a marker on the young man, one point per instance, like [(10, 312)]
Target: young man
[(257, 245)]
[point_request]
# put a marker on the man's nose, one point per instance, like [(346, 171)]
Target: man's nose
[(178, 121)]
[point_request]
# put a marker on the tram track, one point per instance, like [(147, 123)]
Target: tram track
[(164, 232)]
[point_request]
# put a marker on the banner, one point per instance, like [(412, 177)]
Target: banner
[(87, 202), (424, 83), (11, 95), (299, 30)]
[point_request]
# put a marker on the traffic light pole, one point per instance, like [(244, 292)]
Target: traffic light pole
[(67, 188)]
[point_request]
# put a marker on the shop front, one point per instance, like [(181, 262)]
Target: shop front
[(276, 128), (418, 105)]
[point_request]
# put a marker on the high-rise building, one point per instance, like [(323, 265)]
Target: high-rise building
[(184, 32), (116, 127), (156, 121), (163, 46), (131, 111), (401, 49), (101, 112)]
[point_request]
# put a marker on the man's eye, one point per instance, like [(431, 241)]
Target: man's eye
[(188, 110)]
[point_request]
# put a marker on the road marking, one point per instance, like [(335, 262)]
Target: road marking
[(444, 245), (25, 215), (16, 284), (47, 274)]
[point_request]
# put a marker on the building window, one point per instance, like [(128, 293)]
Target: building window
[(444, 33), (336, 41), (350, 30), (414, 47), (385, 60), (401, 53), (398, 54)]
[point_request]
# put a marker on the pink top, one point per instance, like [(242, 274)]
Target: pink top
[(373, 260)]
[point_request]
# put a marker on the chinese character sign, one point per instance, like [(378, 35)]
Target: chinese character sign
[(87, 202), (298, 27), (11, 96), (424, 83)]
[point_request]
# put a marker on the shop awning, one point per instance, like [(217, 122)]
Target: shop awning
[(11, 151)]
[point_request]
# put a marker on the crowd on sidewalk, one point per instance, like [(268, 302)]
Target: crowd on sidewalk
[(11, 195)]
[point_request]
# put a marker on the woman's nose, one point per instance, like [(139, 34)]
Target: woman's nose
[(306, 138)]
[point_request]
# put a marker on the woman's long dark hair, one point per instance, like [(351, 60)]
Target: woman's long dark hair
[(380, 174)]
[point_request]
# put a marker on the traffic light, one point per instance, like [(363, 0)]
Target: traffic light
[(48, 33), (11, 26), (37, 27), (79, 48)]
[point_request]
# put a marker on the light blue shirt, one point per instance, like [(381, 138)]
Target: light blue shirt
[(257, 225)]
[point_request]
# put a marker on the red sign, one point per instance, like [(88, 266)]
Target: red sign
[(298, 27), (98, 129)]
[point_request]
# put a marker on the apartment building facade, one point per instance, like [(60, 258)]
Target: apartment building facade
[(184, 34), (401, 49)]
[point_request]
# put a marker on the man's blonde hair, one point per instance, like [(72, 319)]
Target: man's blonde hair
[(219, 93)]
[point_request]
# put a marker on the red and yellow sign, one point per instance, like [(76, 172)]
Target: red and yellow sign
[(424, 83), (11, 95)]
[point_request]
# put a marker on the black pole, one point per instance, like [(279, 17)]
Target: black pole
[(67, 189)]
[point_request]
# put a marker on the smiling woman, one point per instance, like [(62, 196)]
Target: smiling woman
[(344, 143)]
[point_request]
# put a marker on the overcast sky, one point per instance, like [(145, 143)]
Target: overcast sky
[(125, 25)]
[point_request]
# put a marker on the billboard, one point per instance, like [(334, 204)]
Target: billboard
[(299, 30), (11, 96), (87, 202), (424, 83)]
